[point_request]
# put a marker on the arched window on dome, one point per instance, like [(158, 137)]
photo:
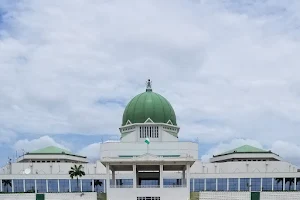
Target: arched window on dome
[(149, 132)]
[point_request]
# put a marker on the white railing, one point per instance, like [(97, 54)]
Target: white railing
[(147, 186)]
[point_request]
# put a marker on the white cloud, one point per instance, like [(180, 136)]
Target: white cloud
[(31, 145), (92, 151), (229, 70)]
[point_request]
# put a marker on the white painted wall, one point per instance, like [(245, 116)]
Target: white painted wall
[(279, 195), (51, 196), (115, 149), (225, 196), (71, 196), (17, 196), (163, 193)]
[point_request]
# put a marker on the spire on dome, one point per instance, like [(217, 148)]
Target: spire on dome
[(149, 86)]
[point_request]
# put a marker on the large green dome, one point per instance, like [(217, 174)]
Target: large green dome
[(149, 105)]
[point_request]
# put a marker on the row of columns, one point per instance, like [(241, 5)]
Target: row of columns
[(185, 176)]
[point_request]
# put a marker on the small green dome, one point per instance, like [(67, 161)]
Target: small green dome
[(149, 105)]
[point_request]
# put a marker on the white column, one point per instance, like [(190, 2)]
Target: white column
[(70, 188), (161, 178), (193, 184), (12, 186), (35, 189), (261, 184), (134, 175), (272, 184), (216, 184), (104, 186), (93, 185), (283, 184), (107, 178), (227, 184), (250, 186), (58, 190), (113, 177), (24, 188), (295, 184), (47, 188), (80, 185), (1, 186), (205, 184), (188, 182), (239, 184), (183, 177)]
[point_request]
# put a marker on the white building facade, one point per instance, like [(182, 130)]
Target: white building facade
[(150, 163)]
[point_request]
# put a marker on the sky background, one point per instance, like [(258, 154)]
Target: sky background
[(229, 68)]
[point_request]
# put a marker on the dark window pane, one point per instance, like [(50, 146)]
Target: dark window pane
[(233, 184), (86, 185), (99, 185), (255, 184), (29, 185), (75, 185), (289, 184), (52, 185), (18, 185), (211, 184), (244, 184), (222, 184), (64, 185), (7, 185), (278, 184), (267, 184), (199, 184)]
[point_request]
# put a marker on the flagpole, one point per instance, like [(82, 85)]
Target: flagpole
[(147, 148)]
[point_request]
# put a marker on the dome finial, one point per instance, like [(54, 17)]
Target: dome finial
[(148, 86)]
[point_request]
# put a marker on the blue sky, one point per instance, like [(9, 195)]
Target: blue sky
[(229, 68)]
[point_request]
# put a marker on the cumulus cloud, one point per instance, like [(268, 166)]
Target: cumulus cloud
[(31, 145), (230, 69), (92, 151)]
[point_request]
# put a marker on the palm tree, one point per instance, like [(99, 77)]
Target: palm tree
[(76, 171), (6, 183), (287, 180), (96, 183)]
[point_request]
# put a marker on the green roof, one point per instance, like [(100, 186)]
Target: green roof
[(149, 105), (51, 150), (245, 149)]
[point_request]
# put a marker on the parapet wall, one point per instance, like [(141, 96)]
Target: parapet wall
[(50, 196)]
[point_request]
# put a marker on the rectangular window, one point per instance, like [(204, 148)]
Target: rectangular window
[(149, 131), (41, 185), (6, 184), (278, 184), (18, 185), (233, 184), (199, 184), (255, 184), (289, 184), (222, 184), (267, 184), (52, 185), (99, 185), (244, 184), (64, 185), (29, 185), (211, 184), (75, 185)]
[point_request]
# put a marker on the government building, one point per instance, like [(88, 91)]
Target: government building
[(150, 162)]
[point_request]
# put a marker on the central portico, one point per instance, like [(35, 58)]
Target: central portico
[(149, 151), (148, 172)]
